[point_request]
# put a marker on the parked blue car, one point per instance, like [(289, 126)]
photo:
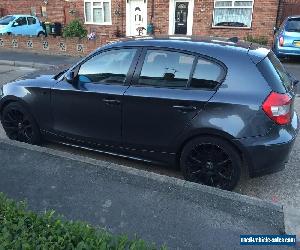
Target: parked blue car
[(287, 38), (21, 25)]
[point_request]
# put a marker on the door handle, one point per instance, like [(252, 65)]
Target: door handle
[(185, 109), (112, 101)]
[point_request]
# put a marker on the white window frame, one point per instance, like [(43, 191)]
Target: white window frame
[(232, 7), (92, 12)]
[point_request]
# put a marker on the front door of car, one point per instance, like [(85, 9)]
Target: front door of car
[(19, 26), (90, 108), (169, 89)]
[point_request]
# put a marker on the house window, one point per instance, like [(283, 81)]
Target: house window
[(232, 13), (97, 11)]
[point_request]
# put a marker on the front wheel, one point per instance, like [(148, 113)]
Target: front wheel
[(19, 124), (211, 161)]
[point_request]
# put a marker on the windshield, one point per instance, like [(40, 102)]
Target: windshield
[(6, 20), (293, 25)]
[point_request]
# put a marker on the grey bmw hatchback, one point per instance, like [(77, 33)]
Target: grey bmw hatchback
[(211, 106)]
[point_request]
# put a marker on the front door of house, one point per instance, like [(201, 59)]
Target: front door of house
[(181, 17), (136, 18)]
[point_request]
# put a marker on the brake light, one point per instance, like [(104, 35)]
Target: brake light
[(278, 107), (281, 41)]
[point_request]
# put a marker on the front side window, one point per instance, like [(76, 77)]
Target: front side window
[(97, 11), (233, 13), (166, 69), (110, 67), (21, 21), (207, 75)]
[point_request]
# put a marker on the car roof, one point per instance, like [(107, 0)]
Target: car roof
[(292, 17), (210, 46), (21, 15)]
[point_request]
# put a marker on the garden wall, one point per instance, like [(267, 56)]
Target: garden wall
[(53, 45)]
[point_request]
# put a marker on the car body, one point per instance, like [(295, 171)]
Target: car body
[(164, 100), (287, 38), (21, 25)]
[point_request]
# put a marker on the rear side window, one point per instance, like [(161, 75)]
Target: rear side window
[(275, 74), (166, 69), (207, 75), (31, 20), (293, 25)]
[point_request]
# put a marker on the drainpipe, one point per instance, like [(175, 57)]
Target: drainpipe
[(152, 12), (278, 10)]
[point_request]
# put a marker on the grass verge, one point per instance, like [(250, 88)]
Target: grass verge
[(24, 229)]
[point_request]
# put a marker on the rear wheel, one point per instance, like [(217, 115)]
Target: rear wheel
[(211, 161), (19, 124), (41, 34)]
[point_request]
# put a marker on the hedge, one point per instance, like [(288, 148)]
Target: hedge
[(24, 229)]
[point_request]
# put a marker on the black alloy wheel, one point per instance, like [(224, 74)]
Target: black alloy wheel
[(19, 125), (211, 161)]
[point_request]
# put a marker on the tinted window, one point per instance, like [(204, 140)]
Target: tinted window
[(293, 25), (107, 67), (275, 74), (6, 20), (166, 69), (31, 20), (207, 75), (21, 21)]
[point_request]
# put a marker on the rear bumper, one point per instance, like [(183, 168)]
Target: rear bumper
[(287, 51), (268, 154)]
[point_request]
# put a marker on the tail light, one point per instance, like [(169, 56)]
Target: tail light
[(281, 41), (278, 107)]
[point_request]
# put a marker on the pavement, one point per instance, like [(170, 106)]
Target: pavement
[(159, 209), (279, 188)]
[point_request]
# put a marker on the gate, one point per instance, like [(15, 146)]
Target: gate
[(288, 8)]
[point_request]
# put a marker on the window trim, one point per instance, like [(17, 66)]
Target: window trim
[(197, 56), (232, 7), (92, 13)]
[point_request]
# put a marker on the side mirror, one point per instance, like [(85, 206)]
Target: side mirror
[(15, 24), (275, 29), (70, 76)]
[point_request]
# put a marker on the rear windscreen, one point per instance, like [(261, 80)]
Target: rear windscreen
[(275, 74), (293, 25)]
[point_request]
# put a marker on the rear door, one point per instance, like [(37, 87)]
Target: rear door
[(169, 88), (33, 26)]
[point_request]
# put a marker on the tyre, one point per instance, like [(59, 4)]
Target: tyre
[(19, 124), (211, 161), (41, 34)]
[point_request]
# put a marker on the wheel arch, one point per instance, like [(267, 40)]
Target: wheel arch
[(212, 133), (11, 99)]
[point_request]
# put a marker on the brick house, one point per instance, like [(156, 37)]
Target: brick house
[(182, 17)]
